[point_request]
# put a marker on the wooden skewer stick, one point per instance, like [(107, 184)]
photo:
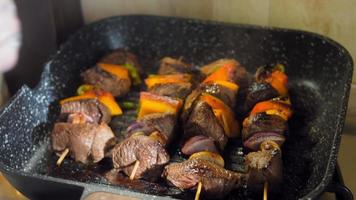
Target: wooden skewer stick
[(265, 191), (63, 155), (132, 176), (197, 194)]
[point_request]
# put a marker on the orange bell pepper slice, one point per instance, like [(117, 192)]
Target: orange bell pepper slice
[(108, 100), (234, 87), (224, 73), (116, 70), (171, 78), (273, 107), (105, 98), (212, 67), (224, 114), (152, 103), (279, 81)]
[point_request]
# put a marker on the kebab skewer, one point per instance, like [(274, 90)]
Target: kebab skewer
[(83, 131), (142, 154), (208, 123), (264, 128)]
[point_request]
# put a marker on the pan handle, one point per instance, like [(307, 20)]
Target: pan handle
[(341, 191), (105, 196), (114, 193)]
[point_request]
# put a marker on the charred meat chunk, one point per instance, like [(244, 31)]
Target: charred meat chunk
[(118, 84), (189, 104), (86, 142), (148, 151), (175, 90), (121, 57), (262, 122), (217, 181), (202, 121), (170, 65), (265, 165), (93, 110), (258, 92), (227, 95), (164, 123)]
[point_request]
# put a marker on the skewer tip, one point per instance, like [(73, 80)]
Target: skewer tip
[(197, 194), (265, 191), (63, 155), (132, 175)]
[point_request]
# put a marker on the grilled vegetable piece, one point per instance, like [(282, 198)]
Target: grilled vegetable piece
[(198, 143), (223, 73), (224, 115), (174, 90), (169, 65), (202, 121), (256, 139), (262, 122), (86, 142), (148, 151), (269, 82), (152, 103), (217, 182), (152, 80), (274, 107), (265, 166), (275, 76), (226, 92), (111, 78), (241, 77), (92, 108), (122, 57), (209, 156), (215, 65), (103, 97)]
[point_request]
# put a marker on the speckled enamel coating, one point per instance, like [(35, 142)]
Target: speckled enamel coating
[(319, 71)]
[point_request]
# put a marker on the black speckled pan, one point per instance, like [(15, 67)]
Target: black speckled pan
[(319, 70)]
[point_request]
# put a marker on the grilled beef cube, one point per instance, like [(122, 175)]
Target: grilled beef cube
[(262, 122), (121, 57), (265, 165), (79, 118), (107, 81), (225, 94), (150, 153), (197, 144), (170, 65), (174, 90), (189, 104), (241, 77), (216, 181), (202, 121), (161, 122), (93, 110), (258, 92), (86, 142)]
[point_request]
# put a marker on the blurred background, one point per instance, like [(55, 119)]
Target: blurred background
[(45, 24)]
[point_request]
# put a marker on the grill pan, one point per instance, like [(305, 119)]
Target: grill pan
[(319, 70)]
